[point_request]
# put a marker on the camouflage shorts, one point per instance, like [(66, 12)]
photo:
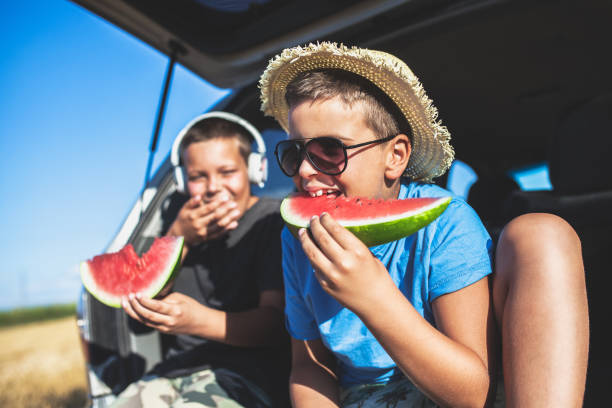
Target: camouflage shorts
[(397, 394), (200, 389)]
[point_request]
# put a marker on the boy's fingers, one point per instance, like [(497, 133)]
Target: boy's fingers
[(215, 210), (325, 284), (213, 227), (129, 310), (194, 202), (318, 260), (147, 314), (229, 218), (207, 222), (326, 242), (221, 220), (343, 237), (207, 209), (155, 305)]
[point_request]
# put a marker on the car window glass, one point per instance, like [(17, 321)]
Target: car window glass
[(533, 177), (278, 185), (460, 178)]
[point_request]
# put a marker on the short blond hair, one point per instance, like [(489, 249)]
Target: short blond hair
[(381, 114)]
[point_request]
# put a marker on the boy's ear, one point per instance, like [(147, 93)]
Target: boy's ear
[(397, 156)]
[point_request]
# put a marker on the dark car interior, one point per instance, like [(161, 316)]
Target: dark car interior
[(517, 83)]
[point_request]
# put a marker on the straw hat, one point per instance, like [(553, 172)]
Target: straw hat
[(431, 152)]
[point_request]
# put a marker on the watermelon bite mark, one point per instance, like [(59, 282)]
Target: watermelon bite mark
[(373, 221), (109, 277)]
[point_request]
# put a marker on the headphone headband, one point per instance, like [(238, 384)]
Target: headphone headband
[(257, 164), (175, 154)]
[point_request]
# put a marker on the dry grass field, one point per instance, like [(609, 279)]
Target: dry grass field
[(41, 365)]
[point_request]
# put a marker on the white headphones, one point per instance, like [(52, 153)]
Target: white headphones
[(257, 162)]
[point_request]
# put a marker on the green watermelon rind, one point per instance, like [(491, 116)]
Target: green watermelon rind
[(164, 279), (376, 232)]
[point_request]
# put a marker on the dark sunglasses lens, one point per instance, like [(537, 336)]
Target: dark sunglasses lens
[(288, 154), (326, 154)]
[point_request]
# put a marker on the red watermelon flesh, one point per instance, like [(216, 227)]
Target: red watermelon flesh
[(373, 221), (109, 277)]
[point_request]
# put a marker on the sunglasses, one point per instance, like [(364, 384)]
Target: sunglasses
[(326, 154)]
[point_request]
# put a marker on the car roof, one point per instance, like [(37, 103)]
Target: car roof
[(502, 74)]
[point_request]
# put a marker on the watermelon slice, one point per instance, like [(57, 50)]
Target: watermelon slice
[(110, 276), (374, 222)]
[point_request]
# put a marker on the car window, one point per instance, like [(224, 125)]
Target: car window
[(460, 178), (534, 177), (278, 185)]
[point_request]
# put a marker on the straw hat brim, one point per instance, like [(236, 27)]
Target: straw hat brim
[(431, 154)]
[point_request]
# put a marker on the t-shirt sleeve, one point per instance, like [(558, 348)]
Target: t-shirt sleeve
[(270, 272), (461, 250), (299, 319)]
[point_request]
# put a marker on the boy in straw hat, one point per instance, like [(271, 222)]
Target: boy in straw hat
[(411, 322)]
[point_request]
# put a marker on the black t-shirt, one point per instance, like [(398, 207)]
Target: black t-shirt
[(228, 274)]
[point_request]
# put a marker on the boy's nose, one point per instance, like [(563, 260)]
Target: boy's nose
[(213, 185), (306, 169)]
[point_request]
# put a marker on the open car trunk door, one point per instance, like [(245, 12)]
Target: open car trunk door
[(229, 44)]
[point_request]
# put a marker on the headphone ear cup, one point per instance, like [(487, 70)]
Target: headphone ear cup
[(179, 179), (258, 169), (264, 170)]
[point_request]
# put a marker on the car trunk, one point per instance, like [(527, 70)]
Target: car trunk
[(503, 75)]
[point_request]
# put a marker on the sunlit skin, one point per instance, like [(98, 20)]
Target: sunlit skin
[(334, 118), (541, 306), (449, 363), (215, 170), (219, 189), (217, 181)]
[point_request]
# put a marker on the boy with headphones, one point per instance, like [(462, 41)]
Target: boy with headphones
[(224, 316)]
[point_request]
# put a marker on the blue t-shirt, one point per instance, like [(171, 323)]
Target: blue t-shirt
[(449, 254)]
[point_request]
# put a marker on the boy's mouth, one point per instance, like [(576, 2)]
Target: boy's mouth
[(324, 192)]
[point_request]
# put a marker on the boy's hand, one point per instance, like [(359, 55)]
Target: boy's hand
[(175, 314), (344, 266), (198, 221)]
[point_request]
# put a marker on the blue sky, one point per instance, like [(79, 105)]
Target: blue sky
[(79, 99)]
